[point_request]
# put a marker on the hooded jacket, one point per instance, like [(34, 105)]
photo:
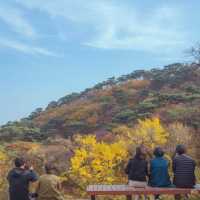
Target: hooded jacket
[(19, 180)]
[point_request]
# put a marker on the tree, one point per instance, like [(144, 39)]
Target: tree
[(195, 52), (179, 134), (148, 132), (97, 162)]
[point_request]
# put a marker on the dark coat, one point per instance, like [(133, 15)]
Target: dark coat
[(137, 169), (19, 180), (184, 171)]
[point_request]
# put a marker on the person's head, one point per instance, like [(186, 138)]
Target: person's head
[(158, 152), (140, 153), (180, 149), (49, 168), (20, 162)]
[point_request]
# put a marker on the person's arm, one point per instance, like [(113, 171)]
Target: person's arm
[(127, 169), (59, 185), (8, 176), (37, 188), (174, 165), (149, 168), (195, 180), (32, 176)]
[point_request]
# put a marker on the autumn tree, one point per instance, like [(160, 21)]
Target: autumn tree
[(179, 134), (97, 162), (148, 132)]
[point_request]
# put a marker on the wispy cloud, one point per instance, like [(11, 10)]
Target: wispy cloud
[(25, 48), (119, 26), (125, 28), (16, 20)]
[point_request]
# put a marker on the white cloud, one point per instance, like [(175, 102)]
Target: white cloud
[(17, 21), (24, 48), (120, 26)]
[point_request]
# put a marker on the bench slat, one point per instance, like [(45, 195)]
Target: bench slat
[(128, 190)]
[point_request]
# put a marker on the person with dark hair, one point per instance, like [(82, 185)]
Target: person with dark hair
[(19, 179), (159, 175), (49, 186), (184, 169), (137, 169)]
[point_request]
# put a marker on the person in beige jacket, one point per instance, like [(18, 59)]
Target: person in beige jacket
[(49, 186)]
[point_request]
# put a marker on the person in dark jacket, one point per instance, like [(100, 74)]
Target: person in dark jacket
[(159, 175), (19, 179), (137, 170), (184, 169)]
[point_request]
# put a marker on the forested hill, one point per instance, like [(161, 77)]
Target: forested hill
[(171, 93)]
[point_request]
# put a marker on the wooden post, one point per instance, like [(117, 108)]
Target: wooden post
[(92, 197), (129, 197)]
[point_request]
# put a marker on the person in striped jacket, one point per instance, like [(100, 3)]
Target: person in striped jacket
[(184, 169)]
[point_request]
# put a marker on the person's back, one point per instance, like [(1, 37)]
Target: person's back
[(184, 171), (159, 176), (19, 179), (137, 169), (49, 188)]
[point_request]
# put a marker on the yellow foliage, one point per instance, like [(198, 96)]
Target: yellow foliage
[(3, 157), (97, 162), (3, 167), (179, 134), (148, 132)]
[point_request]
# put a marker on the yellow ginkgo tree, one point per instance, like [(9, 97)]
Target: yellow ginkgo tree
[(148, 132), (97, 162)]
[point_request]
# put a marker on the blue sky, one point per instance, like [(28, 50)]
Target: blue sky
[(51, 48)]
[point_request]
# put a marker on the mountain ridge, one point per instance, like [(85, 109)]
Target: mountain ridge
[(172, 93)]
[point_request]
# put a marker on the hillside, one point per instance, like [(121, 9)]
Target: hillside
[(171, 93)]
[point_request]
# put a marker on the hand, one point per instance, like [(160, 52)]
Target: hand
[(31, 168)]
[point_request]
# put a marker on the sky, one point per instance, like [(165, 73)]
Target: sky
[(49, 49)]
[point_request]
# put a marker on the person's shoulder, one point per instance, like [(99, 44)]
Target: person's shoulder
[(153, 160), (11, 170), (132, 160), (177, 157), (42, 176), (188, 157), (54, 178)]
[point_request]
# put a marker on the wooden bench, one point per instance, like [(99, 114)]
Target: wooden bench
[(128, 191)]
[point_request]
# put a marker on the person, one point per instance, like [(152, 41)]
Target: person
[(159, 175), (184, 169), (137, 169), (49, 185), (19, 179)]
